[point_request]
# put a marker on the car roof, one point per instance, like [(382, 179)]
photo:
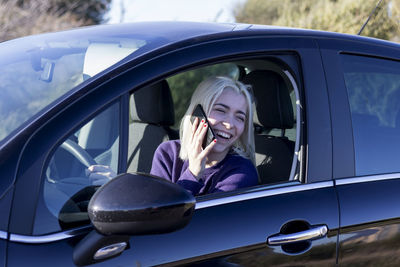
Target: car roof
[(279, 30)]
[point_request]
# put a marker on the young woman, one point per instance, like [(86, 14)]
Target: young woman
[(227, 163)]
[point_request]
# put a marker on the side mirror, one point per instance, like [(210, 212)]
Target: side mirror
[(138, 204), (132, 204)]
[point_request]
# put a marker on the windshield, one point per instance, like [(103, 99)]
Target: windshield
[(35, 71)]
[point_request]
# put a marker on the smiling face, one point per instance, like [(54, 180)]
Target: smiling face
[(228, 119)]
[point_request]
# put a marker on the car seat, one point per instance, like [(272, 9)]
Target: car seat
[(274, 154), (152, 114)]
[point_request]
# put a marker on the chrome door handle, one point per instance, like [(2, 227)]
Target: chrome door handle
[(311, 234)]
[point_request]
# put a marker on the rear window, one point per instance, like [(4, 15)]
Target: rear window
[(373, 87)]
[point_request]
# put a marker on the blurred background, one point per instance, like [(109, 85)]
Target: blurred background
[(25, 17)]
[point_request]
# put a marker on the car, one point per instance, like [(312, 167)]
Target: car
[(326, 132)]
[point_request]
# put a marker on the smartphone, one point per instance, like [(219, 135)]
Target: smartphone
[(199, 113)]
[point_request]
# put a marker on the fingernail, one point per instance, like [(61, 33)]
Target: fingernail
[(205, 125), (215, 140), (202, 121)]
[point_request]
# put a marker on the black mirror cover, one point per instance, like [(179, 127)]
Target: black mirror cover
[(138, 204)]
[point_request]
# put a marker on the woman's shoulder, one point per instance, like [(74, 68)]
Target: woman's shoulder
[(169, 147), (240, 161), (243, 169), (171, 144)]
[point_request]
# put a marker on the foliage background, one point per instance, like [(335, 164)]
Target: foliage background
[(25, 17), (344, 16)]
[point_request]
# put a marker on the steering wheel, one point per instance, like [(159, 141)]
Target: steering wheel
[(78, 152), (61, 188)]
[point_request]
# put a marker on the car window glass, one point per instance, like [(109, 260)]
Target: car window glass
[(68, 185), (45, 70), (373, 87)]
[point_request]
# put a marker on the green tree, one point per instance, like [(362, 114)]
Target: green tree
[(345, 16), (25, 17), (91, 11)]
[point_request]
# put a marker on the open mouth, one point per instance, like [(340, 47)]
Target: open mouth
[(223, 135)]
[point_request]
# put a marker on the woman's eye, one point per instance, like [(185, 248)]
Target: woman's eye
[(240, 119), (220, 110)]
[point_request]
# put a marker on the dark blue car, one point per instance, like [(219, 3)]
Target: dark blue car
[(327, 135)]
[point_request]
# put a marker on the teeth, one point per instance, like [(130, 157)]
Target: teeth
[(224, 135)]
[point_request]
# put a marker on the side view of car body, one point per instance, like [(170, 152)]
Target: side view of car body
[(326, 133)]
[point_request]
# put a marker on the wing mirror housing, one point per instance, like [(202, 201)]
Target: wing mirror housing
[(131, 204), (139, 204)]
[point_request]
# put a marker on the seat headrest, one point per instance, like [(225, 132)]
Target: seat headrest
[(274, 107), (153, 104)]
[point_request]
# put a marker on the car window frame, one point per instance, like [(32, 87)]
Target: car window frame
[(122, 135), (342, 133), (361, 56)]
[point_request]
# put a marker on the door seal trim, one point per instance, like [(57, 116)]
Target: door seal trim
[(365, 179), (51, 237), (3, 235), (263, 192)]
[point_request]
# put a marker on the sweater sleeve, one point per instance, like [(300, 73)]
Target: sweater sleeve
[(243, 175), (188, 181), (162, 164), (165, 165)]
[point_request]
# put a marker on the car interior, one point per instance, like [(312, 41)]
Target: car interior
[(274, 154), (151, 119)]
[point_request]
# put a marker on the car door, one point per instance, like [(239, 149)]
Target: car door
[(5, 205), (363, 82), (3, 244), (292, 222)]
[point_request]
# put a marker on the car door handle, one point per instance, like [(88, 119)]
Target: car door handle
[(313, 233)]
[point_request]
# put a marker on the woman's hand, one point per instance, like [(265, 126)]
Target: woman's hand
[(197, 155), (100, 174)]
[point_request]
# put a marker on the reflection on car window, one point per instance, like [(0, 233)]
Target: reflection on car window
[(68, 186), (373, 87), (39, 71)]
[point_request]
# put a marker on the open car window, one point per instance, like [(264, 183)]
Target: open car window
[(277, 128)]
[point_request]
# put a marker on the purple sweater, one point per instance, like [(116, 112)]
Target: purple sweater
[(231, 173)]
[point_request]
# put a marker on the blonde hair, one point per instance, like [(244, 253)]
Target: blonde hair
[(206, 94)]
